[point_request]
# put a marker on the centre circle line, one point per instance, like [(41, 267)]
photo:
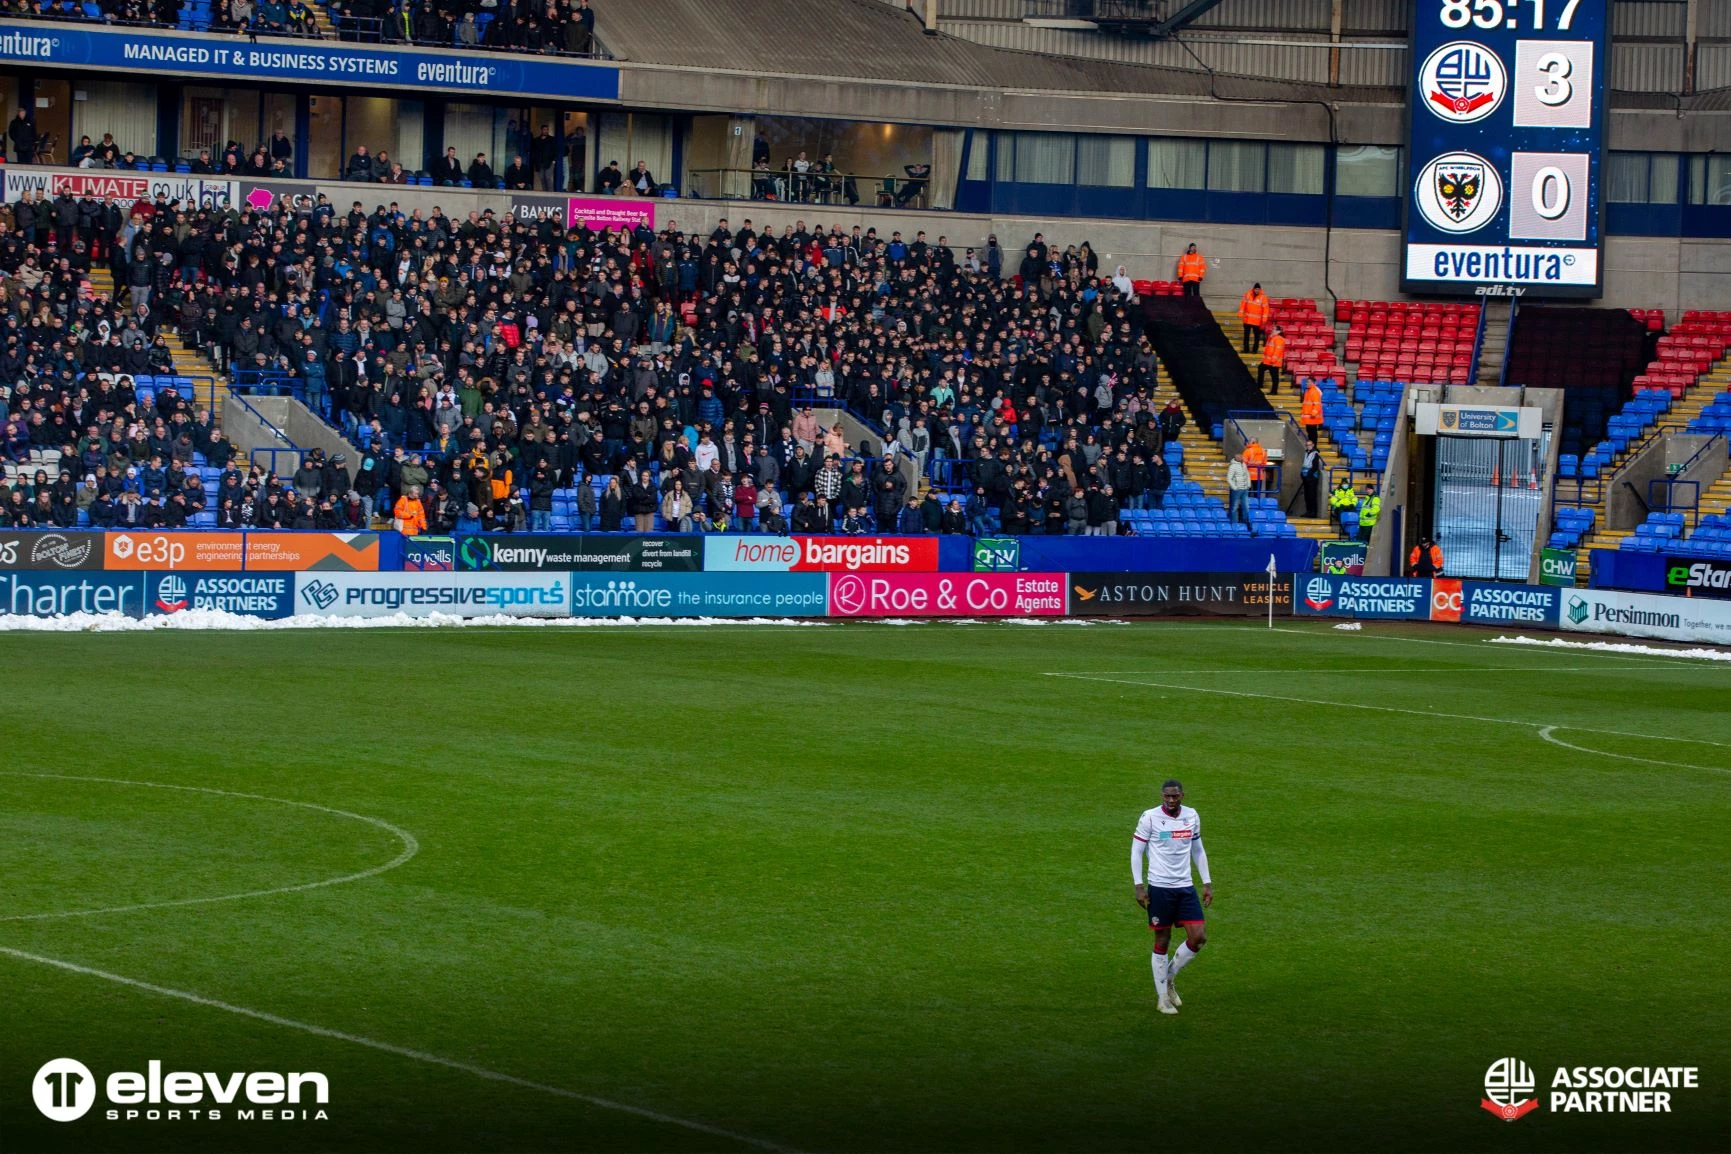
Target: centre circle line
[(411, 847), (1548, 733)]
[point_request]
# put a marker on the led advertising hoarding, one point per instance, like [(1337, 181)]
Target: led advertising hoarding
[(1506, 128)]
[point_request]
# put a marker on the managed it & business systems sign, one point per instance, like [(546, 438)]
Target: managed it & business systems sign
[(306, 61)]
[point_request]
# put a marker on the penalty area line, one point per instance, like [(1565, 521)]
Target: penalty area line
[(398, 1051)]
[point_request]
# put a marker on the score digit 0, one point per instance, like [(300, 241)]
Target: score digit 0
[(1551, 192)]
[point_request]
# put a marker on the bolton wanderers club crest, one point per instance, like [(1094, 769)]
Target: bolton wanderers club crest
[(1462, 82), (1458, 192)]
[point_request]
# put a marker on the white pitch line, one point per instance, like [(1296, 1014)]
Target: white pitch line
[(1379, 669), (1547, 731), (1387, 709), (410, 848), (390, 1048), (1318, 633)]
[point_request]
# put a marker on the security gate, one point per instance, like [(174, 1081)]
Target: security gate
[(1487, 504)]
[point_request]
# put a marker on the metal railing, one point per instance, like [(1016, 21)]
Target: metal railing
[(271, 455), (1479, 340), (1696, 456), (884, 190), (1662, 497), (269, 424), (1508, 342)]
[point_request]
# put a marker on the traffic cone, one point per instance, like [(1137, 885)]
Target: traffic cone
[(1496, 478), (1532, 479)]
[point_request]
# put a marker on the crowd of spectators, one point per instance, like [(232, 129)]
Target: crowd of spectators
[(490, 363), (547, 27)]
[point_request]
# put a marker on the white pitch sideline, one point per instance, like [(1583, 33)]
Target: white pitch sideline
[(399, 1051)]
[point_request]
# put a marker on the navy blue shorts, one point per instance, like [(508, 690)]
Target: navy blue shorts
[(1168, 908)]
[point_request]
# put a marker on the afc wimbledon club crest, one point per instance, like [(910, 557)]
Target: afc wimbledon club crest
[(1458, 192), (1462, 82)]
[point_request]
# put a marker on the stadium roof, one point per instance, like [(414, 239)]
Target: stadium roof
[(873, 41)]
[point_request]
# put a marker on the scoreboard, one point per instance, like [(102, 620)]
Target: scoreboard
[(1505, 148)]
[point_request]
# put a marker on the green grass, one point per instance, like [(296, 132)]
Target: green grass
[(866, 887)]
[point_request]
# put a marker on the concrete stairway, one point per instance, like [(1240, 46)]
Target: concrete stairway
[(1288, 400), (1685, 409), (210, 387), (1497, 311)]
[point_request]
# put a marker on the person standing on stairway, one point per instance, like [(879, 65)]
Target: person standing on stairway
[(1311, 475), (1369, 512), (1253, 311), (1238, 493), (1273, 357), (1171, 422), (1310, 411), (1256, 460), (1191, 269)]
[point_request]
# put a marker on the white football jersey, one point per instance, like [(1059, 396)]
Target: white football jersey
[(1168, 841)]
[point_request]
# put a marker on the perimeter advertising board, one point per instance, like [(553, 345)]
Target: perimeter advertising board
[(51, 550), (1385, 598), (550, 552), (1694, 577), (946, 595), (46, 594), (1493, 603), (699, 595), (762, 554), (423, 594), (262, 595), (1177, 594), (1647, 615)]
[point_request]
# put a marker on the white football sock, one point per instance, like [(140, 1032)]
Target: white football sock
[(1161, 961), (1182, 958)]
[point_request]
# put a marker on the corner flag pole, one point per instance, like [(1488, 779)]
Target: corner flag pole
[(1273, 571)]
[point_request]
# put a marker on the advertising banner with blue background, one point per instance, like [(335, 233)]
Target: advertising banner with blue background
[(1489, 603), (265, 595), (133, 50), (1386, 598), (700, 595), (52, 594)]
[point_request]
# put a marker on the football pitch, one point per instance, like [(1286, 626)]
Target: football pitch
[(860, 887)]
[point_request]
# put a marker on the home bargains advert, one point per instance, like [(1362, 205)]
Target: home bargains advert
[(764, 554)]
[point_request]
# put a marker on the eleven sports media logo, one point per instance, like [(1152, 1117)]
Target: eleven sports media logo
[(65, 1090)]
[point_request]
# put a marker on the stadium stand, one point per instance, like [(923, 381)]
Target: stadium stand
[(528, 369), (1681, 374), (563, 28)]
